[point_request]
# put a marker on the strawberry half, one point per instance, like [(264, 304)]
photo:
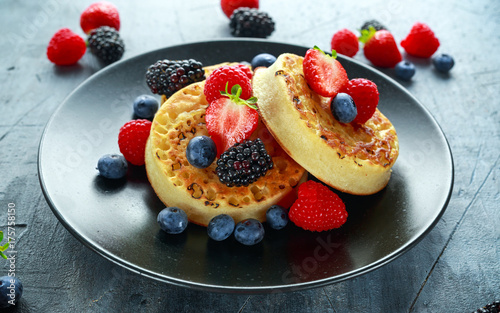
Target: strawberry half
[(380, 47), (324, 74), (231, 119)]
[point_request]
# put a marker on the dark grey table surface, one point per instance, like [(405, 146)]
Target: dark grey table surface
[(455, 268)]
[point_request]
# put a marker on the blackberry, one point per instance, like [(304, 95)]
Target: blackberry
[(165, 77), (106, 44), (493, 307), (243, 163), (376, 24), (250, 22)]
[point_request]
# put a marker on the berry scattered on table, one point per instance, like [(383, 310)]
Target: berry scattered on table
[(243, 163), (380, 48), (248, 22), (323, 73), (66, 47), (220, 227), (421, 41), (373, 23), (145, 106), (345, 42), (11, 291), (112, 166), (277, 217), (201, 151), (365, 94), (493, 307), (227, 77), (132, 140), (249, 232), (343, 108), (263, 59), (165, 77), (106, 44), (443, 62), (317, 208), (99, 14), (228, 6), (405, 70), (172, 220)]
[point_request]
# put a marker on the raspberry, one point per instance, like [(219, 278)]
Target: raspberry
[(317, 208), (66, 47), (132, 140), (421, 41), (233, 75), (365, 94), (99, 14), (105, 43), (228, 6), (246, 69), (345, 42)]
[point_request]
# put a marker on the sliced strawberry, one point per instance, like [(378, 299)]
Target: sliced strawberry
[(324, 74), (230, 119), (380, 47)]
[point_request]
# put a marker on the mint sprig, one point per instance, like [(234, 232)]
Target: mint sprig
[(235, 94)]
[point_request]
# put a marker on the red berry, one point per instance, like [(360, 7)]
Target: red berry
[(365, 94), (244, 68), (317, 208), (345, 42), (233, 75), (228, 6), (380, 48), (421, 41), (66, 47), (100, 14), (132, 140), (323, 73)]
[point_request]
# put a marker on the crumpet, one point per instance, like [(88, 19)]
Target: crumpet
[(352, 158)]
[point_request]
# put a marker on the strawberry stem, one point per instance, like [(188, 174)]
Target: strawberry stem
[(366, 35), (334, 53), (235, 94)]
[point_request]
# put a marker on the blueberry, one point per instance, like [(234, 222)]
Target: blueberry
[(201, 151), (11, 290), (405, 70), (277, 217), (145, 106), (343, 108), (220, 227), (113, 166), (263, 59), (443, 62), (249, 232), (172, 220)]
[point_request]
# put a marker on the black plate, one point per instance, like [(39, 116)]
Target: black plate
[(118, 219)]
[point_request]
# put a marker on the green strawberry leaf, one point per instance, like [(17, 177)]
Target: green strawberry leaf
[(235, 96), (1, 235), (367, 34), (334, 53), (3, 255), (5, 246)]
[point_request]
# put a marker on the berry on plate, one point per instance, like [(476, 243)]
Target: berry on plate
[(345, 42), (323, 73), (145, 106), (112, 166), (317, 208), (228, 6), (99, 14), (165, 77), (443, 62), (277, 217), (249, 232), (248, 22), (246, 69), (421, 41), (380, 47), (132, 140), (11, 291), (220, 227), (365, 94), (201, 151), (226, 77), (106, 44), (66, 47), (404, 70), (172, 220), (343, 108), (263, 59)]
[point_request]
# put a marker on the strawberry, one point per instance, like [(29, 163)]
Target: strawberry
[(228, 6), (421, 41), (230, 119), (365, 94), (66, 47), (99, 14), (317, 208), (132, 140), (232, 75), (345, 42), (323, 73), (380, 47)]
